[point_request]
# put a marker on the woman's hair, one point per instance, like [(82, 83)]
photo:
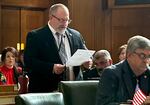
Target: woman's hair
[(121, 48), (8, 49), (15, 53)]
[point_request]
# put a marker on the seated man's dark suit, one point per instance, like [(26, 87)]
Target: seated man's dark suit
[(41, 53), (93, 74), (118, 83)]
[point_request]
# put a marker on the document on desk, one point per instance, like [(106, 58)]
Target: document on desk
[(79, 57)]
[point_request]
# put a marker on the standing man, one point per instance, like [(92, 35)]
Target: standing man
[(119, 82), (48, 48)]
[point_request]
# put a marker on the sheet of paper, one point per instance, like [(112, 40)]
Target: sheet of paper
[(79, 57)]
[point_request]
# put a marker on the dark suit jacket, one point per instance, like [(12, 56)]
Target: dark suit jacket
[(41, 53), (117, 84), (93, 74)]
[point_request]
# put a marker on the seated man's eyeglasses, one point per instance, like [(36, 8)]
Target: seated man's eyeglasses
[(142, 56), (62, 20)]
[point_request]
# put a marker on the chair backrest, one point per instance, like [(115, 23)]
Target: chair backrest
[(79, 92), (40, 99)]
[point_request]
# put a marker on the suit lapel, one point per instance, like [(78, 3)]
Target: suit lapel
[(127, 79), (50, 35), (145, 82), (70, 39)]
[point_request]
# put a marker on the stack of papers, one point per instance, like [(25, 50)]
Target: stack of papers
[(79, 57)]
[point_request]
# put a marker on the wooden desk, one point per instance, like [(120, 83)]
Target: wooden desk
[(8, 97), (7, 100)]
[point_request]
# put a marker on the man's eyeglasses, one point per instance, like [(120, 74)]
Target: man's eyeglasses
[(142, 56), (62, 20)]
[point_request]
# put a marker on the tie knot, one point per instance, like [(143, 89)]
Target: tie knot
[(58, 34)]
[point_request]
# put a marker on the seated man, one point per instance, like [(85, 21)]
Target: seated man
[(121, 81), (101, 60)]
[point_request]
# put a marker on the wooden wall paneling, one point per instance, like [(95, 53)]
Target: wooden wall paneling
[(10, 26), (107, 30), (20, 27), (65, 2), (0, 29), (78, 16), (93, 22), (27, 3), (99, 24), (111, 3), (30, 19), (127, 22), (124, 25), (82, 15), (46, 15), (145, 12)]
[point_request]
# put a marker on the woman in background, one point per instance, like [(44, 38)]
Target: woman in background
[(122, 52), (8, 71)]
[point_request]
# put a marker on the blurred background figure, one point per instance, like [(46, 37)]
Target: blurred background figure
[(0, 60), (101, 60), (20, 61), (9, 72), (23, 80), (122, 52)]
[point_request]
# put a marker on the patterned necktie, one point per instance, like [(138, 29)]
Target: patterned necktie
[(68, 74), (61, 48)]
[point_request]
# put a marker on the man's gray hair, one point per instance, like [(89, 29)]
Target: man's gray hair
[(138, 42), (53, 9), (102, 53)]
